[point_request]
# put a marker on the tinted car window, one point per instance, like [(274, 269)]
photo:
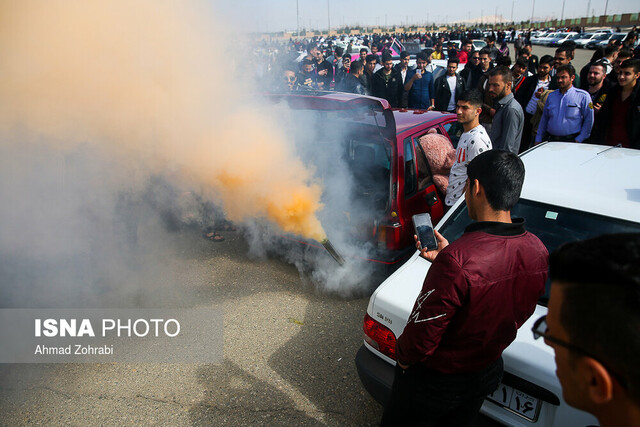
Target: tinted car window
[(552, 224), (454, 131), (410, 176)]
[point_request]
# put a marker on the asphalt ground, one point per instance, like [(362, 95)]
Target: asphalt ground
[(288, 352)]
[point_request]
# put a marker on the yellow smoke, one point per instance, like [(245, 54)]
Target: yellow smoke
[(149, 81)]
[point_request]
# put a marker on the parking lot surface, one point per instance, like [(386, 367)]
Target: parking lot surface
[(288, 352)]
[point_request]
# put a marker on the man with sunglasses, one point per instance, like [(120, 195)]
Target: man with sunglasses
[(479, 290), (593, 323)]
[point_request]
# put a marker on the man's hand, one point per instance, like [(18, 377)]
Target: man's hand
[(539, 92), (417, 76), (323, 72), (431, 255)]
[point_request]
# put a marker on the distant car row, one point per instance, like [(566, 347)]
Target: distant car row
[(600, 38)]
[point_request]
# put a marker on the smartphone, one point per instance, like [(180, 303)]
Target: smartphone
[(418, 71), (424, 230)]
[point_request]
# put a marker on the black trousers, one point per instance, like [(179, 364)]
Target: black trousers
[(423, 397)]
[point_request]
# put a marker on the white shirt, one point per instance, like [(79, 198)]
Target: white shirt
[(471, 144), (533, 102), (452, 88)]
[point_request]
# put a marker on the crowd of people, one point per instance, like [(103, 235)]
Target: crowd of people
[(524, 102), (503, 109)]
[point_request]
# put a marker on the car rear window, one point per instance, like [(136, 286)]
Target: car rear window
[(552, 224)]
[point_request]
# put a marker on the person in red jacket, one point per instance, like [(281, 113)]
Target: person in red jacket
[(479, 290)]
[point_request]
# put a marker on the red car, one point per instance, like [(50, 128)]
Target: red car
[(371, 152)]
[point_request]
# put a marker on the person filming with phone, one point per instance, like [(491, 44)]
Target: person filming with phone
[(479, 290)]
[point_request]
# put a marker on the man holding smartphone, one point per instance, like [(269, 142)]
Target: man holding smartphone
[(479, 290)]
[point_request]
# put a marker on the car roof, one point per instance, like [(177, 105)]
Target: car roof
[(571, 175), (407, 119)]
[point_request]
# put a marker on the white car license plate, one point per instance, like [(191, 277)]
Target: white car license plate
[(516, 401)]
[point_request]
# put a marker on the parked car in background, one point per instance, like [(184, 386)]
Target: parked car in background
[(374, 153), (619, 37), (537, 38), (478, 44), (584, 39), (592, 44), (571, 192), (560, 38)]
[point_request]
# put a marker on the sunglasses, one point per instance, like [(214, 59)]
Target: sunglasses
[(540, 330), (290, 78)]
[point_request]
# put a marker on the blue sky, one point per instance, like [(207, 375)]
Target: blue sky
[(278, 15)]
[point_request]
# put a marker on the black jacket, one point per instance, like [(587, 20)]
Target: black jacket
[(390, 89), (526, 91), (353, 85), (605, 116), (365, 79), (442, 92)]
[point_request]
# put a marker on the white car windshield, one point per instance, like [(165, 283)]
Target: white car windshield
[(552, 224)]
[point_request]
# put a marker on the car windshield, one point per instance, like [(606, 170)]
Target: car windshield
[(552, 224)]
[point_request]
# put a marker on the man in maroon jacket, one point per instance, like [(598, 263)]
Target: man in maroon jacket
[(479, 290)]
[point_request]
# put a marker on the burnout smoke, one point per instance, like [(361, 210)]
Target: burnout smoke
[(106, 106)]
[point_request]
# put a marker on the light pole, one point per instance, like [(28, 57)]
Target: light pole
[(512, 9), (328, 19), (298, 18), (532, 9), (562, 14), (606, 5)]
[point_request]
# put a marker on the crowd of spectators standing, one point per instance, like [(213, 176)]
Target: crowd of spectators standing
[(525, 101)]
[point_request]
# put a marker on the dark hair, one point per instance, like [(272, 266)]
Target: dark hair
[(364, 49), (503, 72), (306, 61), (568, 68), (522, 62), (339, 51), (453, 60), (569, 44), (625, 53), (631, 63), (423, 56), (523, 51), (504, 61), (567, 51), (386, 56), (404, 54), (473, 97), (546, 59), (599, 63), (485, 51), (356, 66), (597, 54), (610, 50), (372, 57), (501, 174), (346, 56), (600, 280)]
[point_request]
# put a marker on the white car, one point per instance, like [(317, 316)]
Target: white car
[(584, 39), (478, 44), (571, 191), (536, 39)]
